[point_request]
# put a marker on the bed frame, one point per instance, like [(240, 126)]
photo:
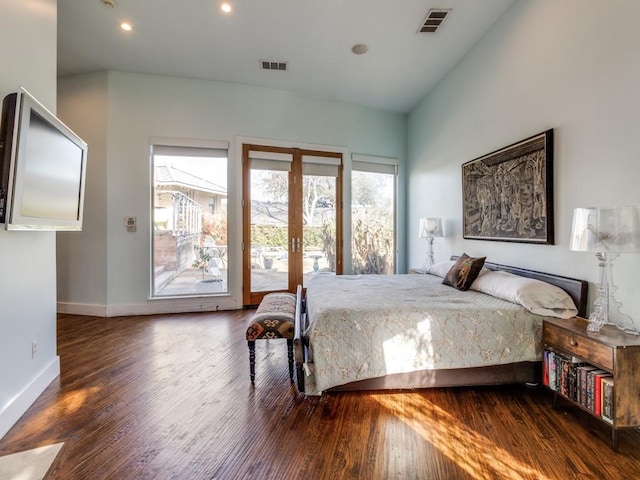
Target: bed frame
[(521, 372)]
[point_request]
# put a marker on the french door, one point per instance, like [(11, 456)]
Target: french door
[(292, 228)]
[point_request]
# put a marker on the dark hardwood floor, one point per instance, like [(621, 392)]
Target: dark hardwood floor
[(169, 397)]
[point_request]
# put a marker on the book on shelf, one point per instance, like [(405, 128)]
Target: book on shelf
[(597, 404), (564, 365), (574, 391), (607, 399), (591, 389), (583, 370), (545, 368), (553, 385)]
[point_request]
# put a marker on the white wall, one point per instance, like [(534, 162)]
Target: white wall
[(27, 259), (82, 256), (144, 106), (544, 64)]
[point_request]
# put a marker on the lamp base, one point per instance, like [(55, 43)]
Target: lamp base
[(428, 263), (606, 309)]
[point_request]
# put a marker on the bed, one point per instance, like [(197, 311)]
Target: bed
[(370, 332)]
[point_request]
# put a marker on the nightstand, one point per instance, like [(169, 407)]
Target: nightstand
[(576, 361)]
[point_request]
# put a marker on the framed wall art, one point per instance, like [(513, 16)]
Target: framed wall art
[(508, 194)]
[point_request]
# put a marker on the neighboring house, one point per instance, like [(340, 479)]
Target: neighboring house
[(176, 186)]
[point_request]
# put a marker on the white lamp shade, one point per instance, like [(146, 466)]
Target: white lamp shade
[(430, 227), (606, 229)]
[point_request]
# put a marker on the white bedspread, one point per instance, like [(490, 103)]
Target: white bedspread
[(366, 326)]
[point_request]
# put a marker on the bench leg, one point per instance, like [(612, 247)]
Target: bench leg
[(252, 360), (290, 352)]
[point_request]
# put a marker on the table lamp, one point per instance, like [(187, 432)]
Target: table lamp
[(430, 228), (607, 231)]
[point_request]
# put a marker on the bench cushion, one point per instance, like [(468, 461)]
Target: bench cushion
[(274, 317)]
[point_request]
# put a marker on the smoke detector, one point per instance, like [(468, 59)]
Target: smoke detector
[(109, 3), (360, 48)]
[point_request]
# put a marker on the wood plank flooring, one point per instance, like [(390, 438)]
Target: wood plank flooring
[(169, 397)]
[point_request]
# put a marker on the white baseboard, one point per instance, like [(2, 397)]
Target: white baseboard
[(151, 307), (82, 309), (15, 408)]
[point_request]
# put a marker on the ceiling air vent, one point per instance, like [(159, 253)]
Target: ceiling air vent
[(434, 19), (271, 65)]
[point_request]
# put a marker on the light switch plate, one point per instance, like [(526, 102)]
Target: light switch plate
[(130, 224)]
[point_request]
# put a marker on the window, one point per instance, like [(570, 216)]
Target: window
[(373, 219), (189, 220)]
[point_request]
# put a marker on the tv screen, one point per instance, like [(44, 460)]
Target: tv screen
[(43, 167)]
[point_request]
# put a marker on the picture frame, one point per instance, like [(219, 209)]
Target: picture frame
[(507, 195)]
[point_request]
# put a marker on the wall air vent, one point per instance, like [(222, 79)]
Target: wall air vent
[(271, 65), (434, 19)]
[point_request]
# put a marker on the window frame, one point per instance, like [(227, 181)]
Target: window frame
[(169, 146)]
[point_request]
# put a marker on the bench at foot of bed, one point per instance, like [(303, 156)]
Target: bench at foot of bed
[(273, 319)]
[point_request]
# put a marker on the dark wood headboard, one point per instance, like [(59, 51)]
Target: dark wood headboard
[(577, 289)]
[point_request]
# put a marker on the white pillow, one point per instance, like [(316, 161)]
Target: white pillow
[(535, 295), (441, 269)]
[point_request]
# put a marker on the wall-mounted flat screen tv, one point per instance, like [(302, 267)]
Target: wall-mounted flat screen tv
[(42, 168)]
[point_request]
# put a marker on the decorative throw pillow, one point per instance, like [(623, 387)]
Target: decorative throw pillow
[(464, 272), (442, 268)]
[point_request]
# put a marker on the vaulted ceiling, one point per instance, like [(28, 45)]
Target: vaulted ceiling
[(196, 39)]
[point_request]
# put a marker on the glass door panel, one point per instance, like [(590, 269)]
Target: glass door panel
[(269, 235), (319, 225)]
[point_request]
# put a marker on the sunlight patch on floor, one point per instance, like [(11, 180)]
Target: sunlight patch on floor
[(475, 454), (74, 400), (70, 403)]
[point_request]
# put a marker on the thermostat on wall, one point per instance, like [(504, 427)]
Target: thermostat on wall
[(130, 224)]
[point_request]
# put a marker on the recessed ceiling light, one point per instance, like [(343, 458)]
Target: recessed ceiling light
[(360, 49), (126, 26), (226, 7)]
